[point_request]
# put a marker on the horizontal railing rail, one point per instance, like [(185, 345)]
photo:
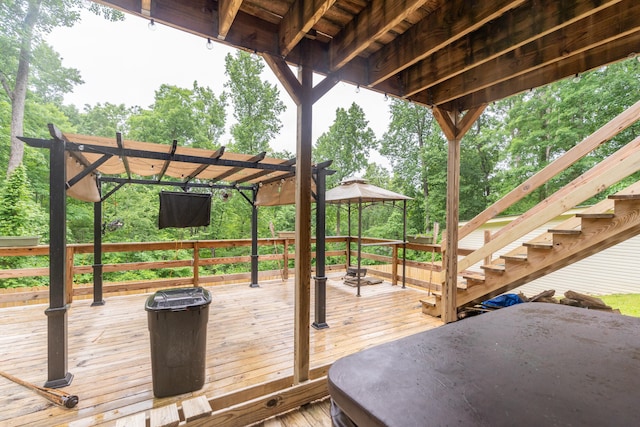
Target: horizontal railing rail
[(200, 255)]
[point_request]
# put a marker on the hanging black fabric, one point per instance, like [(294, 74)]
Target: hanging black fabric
[(182, 210)]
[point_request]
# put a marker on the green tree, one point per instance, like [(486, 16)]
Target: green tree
[(348, 143), (256, 104), (24, 54), (194, 117), (417, 152), (103, 119), (19, 214)]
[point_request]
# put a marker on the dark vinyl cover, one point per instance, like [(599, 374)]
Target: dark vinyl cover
[(181, 210)]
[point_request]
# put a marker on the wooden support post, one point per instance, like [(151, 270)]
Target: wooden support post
[(303, 229), (454, 125)]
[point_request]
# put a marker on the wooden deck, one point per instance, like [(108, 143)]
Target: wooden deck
[(249, 342)]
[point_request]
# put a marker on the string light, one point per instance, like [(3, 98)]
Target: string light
[(151, 25), (209, 44)]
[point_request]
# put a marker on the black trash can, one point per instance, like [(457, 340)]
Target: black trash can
[(177, 320)]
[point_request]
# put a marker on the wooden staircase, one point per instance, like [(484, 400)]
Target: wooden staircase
[(604, 225)]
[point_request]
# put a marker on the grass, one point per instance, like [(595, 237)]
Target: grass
[(628, 304)]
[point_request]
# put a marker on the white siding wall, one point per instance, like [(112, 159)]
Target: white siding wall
[(612, 271)]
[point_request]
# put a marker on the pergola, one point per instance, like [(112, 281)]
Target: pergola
[(81, 164), (453, 56)]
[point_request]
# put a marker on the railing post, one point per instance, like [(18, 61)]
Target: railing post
[(69, 274), (196, 264), (285, 259), (394, 266), (487, 239)]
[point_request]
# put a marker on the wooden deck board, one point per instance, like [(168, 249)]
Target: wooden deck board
[(249, 342)]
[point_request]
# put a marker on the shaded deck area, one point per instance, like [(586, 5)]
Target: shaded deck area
[(249, 342)]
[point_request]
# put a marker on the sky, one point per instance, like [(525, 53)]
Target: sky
[(125, 63)]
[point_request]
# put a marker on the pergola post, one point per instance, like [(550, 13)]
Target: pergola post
[(320, 278), (254, 240), (455, 126), (97, 250), (57, 340)]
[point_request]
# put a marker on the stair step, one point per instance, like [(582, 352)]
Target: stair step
[(604, 215), (538, 245), (517, 257), (624, 197), (499, 268), (474, 279), (571, 231), (430, 306)]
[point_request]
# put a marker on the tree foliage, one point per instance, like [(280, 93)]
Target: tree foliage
[(348, 143), (24, 54), (256, 104)]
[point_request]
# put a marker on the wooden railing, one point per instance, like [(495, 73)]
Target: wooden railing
[(197, 256)]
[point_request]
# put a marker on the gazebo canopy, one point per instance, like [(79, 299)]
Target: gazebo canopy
[(358, 190)]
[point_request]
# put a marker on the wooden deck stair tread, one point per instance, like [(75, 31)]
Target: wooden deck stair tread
[(515, 257), (494, 267), (601, 215), (135, 420), (621, 196), (538, 245), (164, 416), (195, 408), (570, 231)]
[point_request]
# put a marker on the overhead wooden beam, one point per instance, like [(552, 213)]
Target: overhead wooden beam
[(605, 54), (600, 29), (454, 19), (227, 11), (374, 21), (512, 30), (299, 20), (284, 74)]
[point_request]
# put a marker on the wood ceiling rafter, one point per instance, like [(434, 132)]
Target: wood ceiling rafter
[(453, 20), (502, 37), (374, 21), (570, 41), (434, 52), (611, 52), (227, 11), (299, 21)]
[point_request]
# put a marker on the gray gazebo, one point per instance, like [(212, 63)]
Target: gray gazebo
[(357, 190)]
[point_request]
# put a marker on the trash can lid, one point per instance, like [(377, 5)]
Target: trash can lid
[(178, 299)]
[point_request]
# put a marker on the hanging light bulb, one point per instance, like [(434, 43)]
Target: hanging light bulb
[(151, 25), (576, 78), (358, 89), (254, 55), (209, 44), (386, 97)]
